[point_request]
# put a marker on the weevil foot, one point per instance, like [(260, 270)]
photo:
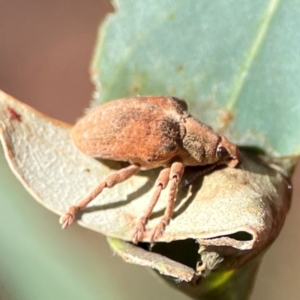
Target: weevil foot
[(68, 218), (158, 230), (139, 231), (137, 235)]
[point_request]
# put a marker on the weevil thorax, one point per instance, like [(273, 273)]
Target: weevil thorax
[(200, 143), (204, 147)]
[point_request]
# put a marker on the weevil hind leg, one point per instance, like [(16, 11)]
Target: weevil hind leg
[(119, 176), (160, 183), (172, 176), (176, 172)]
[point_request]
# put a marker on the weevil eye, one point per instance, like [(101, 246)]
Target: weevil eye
[(222, 153)]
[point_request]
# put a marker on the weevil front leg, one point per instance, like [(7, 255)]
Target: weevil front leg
[(119, 176), (176, 172), (160, 183)]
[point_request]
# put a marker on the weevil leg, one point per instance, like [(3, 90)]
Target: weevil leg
[(119, 176), (160, 184), (176, 172)]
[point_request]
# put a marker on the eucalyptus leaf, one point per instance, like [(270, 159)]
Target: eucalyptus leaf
[(236, 64), (237, 67)]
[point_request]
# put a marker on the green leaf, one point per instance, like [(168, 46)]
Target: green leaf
[(237, 65)]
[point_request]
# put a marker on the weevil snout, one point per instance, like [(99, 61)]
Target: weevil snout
[(228, 153)]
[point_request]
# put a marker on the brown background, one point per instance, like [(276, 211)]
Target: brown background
[(45, 52)]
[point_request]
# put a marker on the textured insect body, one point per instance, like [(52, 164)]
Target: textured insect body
[(149, 132), (144, 131)]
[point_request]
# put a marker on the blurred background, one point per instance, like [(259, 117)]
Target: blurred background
[(45, 52)]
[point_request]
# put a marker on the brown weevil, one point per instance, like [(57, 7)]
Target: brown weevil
[(148, 132)]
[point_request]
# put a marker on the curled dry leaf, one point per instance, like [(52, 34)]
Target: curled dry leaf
[(231, 212)]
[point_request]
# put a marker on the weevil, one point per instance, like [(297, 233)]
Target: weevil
[(148, 132)]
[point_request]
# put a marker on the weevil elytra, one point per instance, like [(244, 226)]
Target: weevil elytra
[(148, 132)]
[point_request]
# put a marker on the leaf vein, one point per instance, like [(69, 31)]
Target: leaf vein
[(256, 45)]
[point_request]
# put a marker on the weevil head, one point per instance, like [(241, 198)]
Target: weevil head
[(227, 153), (205, 147)]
